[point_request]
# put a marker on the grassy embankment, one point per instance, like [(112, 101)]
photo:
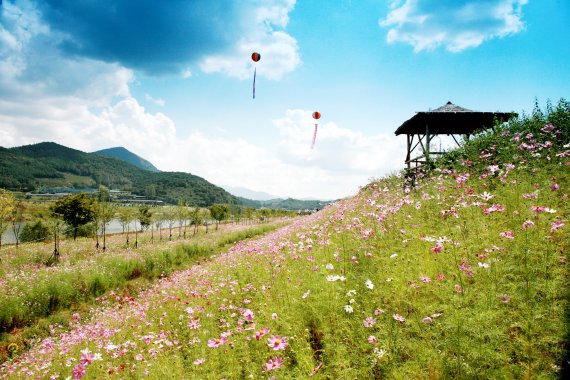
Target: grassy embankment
[(34, 296), (464, 276)]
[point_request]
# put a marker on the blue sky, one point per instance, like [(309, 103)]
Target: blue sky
[(172, 81)]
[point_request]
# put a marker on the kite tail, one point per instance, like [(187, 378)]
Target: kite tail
[(314, 136), (254, 74)]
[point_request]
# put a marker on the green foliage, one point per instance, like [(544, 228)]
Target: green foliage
[(75, 210), (34, 231), (144, 217)]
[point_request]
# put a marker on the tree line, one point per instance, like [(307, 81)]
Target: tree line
[(84, 214)]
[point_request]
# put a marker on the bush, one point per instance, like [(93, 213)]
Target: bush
[(36, 231)]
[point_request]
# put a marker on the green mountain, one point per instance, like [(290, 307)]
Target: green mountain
[(285, 204), (47, 164), (128, 156)]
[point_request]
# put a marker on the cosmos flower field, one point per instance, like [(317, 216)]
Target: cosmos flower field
[(464, 275)]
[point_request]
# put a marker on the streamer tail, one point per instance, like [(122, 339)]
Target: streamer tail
[(254, 75), (314, 136)]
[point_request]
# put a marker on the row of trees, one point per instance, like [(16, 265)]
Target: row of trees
[(82, 214)]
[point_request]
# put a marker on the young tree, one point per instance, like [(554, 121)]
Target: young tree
[(205, 215), (55, 226), (181, 216), (144, 217), (158, 218), (17, 219), (219, 212), (170, 217), (75, 210), (126, 216), (7, 201), (105, 212), (196, 218)]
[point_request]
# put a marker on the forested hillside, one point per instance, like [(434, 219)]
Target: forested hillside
[(49, 164)]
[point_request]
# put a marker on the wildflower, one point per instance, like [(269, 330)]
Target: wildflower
[(458, 288), (273, 363), (78, 371), (504, 298), (438, 247), (398, 318), (378, 312), (248, 315), (86, 357), (277, 343), (533, 195), (369, 284), (199, 361), (507, 235), (194, 324), (379, 352), (440, 276), (274, 316), (329, 266), (389, 279), (393, 255), (259, 334), (527, 224), (427, 280), (306, 294), (369, 322), (372, 339), (348, 309), (556, 225), (427, 320), (217, 342), (139, 357), (554, 187), (547, 128), (483, 265)]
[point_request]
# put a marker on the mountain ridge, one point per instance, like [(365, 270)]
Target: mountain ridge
[(126, 155)]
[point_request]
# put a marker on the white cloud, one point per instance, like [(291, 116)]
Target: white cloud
[(456, 25), (264, 34)]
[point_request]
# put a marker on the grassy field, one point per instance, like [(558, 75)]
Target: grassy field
[(34, 295), (464, 276)]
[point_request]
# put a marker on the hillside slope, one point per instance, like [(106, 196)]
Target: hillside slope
[(128, 156), (463, 276), (49, 164)]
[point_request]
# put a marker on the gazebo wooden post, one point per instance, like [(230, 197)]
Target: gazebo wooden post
[(426, 153)]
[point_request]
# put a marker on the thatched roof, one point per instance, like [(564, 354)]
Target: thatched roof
[(451, 119)]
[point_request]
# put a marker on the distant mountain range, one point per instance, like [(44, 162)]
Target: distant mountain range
[(50, 165), (248, 193), (128, 156)]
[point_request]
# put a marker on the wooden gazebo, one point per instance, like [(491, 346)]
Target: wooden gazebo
[(448, 119)]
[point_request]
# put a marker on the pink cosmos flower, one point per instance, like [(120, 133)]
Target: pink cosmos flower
[(438, 247), (399, 318), (277, 343), (261, 333), (306, 294), (427, 320), (86, 357), (378, 312), (527, 224), (440, 276), (425, 279), (217, 342), (194, 324), (372, 339), (458, 288), (248, 315), (273, 363), (369, 322), (556, 225), (548, 128), (78, 372), (507, 234), (199, 361), (139, 357)]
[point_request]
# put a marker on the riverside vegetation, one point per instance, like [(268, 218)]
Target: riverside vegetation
[(463, 276)]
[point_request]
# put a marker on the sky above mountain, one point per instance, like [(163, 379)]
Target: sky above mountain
[(172, 81)]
